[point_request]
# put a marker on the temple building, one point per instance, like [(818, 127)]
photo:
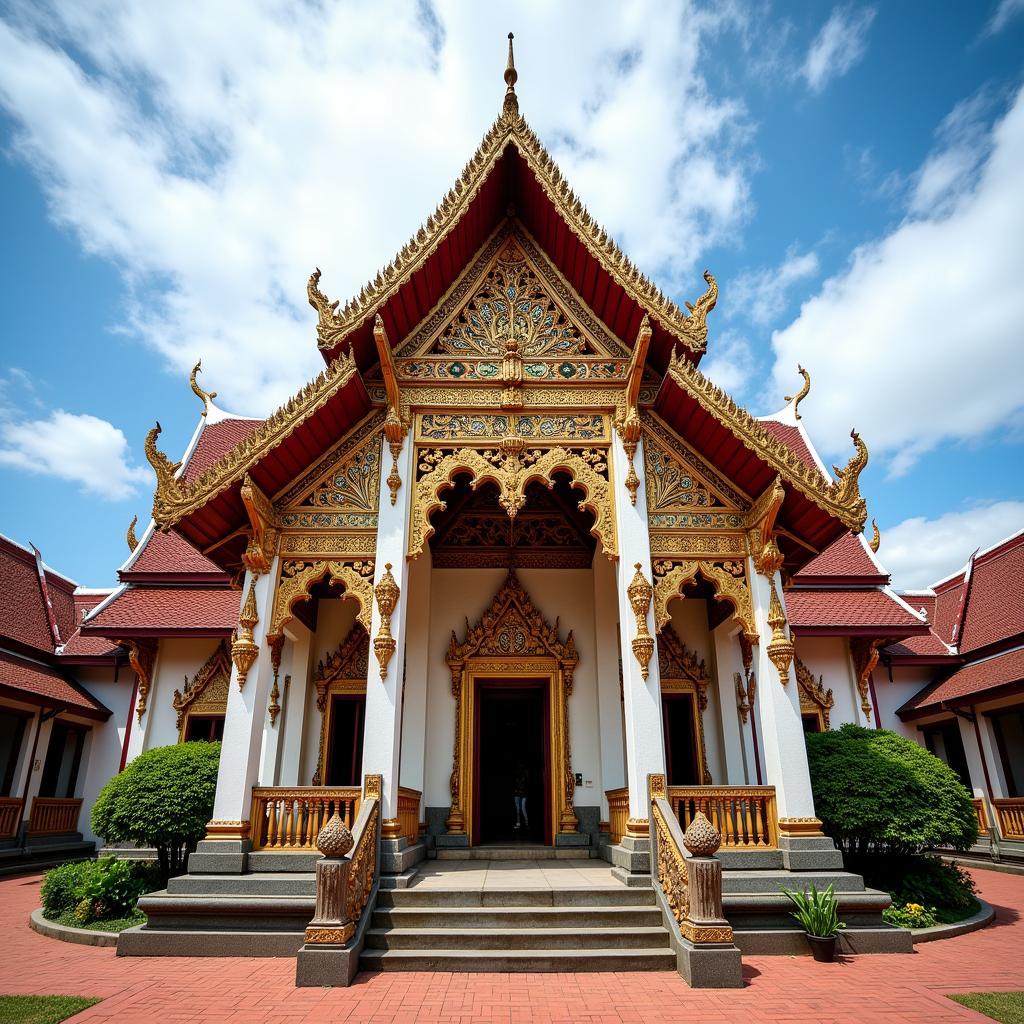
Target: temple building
[(512, 544)]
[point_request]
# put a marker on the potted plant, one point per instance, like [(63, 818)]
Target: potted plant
[(818, 914)]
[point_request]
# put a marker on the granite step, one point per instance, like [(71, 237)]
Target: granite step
[(647, 937), (167, 910), (513, 853), (271, 883), (146, 941), (771, 882), (573, 896), (518, 960), (509, 918)]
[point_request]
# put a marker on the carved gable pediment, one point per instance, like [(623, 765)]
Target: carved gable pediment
[(207, 691), (677, 661), (350, 661), (814, 696)]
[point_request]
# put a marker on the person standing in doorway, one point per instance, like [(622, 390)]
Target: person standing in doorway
[(522, 780)]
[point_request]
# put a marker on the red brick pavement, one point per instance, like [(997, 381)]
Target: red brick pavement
[(779, 989)]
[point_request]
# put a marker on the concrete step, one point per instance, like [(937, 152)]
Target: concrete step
[(38, 857), (514, 853), (757, 911), (265, 883), (853, 940), (772, 881), (147, 941), (517, 960), (651, 937), (509, 918), (167, 910), (264, 862), (603, 896)]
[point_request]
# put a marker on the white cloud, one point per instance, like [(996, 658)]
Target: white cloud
[(917, 340), (839, 45), (1002, 16), (731, 362), (81, 448), (760, 295), (218, 152), (919, 551)]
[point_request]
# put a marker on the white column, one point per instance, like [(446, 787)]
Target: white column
[(382, 735), (778, 710), (414, 712), (245, 714), (298, 702), (609, 702), (739, 766), (645, 744)]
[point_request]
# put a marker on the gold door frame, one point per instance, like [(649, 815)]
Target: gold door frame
[(512, 640)]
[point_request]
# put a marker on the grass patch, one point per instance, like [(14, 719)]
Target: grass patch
[(69, 920), (1006, 1007), (42, 1009)]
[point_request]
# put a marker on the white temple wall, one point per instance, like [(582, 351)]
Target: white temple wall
[(906, 681), (736, 738), (829, 656), (412, 762), (177, 659)]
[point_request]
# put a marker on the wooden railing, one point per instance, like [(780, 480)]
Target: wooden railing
[(10, 816), (1010, 815), (745, 816), (409, 812), (51, 815), (285, 820), (618, 812), (979, 810)]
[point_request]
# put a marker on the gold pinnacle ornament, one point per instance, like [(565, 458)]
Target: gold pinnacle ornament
[(640, 593)]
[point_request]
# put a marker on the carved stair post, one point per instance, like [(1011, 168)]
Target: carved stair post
[(331, 925)]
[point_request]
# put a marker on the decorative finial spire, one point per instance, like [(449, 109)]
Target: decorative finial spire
[(510, 108), (206, 397), (876, 536), (802, 393), (133, 541)]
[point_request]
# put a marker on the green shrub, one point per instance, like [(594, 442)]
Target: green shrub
[(97, 890), (877, 792), (927, 880), (910, 915), (164, 799), (64, 887)]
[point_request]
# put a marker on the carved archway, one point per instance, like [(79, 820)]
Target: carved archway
[(512, 467), (343, 671), (298, 577), (728, 580), (512, 638), (207, 692), (681, 672)]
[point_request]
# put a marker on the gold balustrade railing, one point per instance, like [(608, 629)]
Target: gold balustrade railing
[(1009, 813), (409, 812), (10, 816), (745, 816), (982, 814), (618, 812), (51, 815), (289, 819)]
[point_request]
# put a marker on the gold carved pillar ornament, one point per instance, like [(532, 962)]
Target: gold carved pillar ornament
[(640, 592), (395, 424), (627, 422), (276, 649), (865, 657), (387, 593), (142, 657), (263, 532), (767, 557), (512, 374), (802, 393), (780, 648), (244, 648)]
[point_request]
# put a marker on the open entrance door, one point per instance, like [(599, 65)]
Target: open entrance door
[(511, 795), (682, 758), (344, 756)]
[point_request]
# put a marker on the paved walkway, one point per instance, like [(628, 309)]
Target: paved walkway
[(876, 989)]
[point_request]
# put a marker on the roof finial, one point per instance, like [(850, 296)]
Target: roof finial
[(802, 393), (133, 541), (510, 108), (206, 397), (876, 537)]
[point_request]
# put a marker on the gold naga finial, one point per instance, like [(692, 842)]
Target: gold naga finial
[(876, 536), (697, 322), (206, 397), (326, 310), (802, 393), (133, 541), (166, 484), (510, 108), (846, 490)]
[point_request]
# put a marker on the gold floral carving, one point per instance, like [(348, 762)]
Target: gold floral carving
[(681, 672), (206, 397), (512, 469), (396, 424), (728, 579), (813, 695), (628, 421), (761, 522), (298, 577), (387, 593), (276, 644), (840, 498), (671, 867), (363, 867), (780, 648), (244, 648), (865, 657), (175, 498), (207, 691), (640, 593), (802, 393), (142, 657), (335, 545), (263, 528), (133, 541), (744, 697)]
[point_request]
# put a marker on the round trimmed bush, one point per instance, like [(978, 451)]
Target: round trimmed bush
[(879, 793), (164, 799)]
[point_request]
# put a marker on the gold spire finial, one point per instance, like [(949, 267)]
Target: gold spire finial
[(802, 393), (133, 541), (876, 536), (206, 397), (510, 108)]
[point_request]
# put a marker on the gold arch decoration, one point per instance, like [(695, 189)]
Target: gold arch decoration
[(512, 467), (681, 672), (207, 692), (815, 699), (343, 671), (728, 579), (299, 576), (512, 639)]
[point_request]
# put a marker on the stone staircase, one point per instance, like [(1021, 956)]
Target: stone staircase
[(42, 852)]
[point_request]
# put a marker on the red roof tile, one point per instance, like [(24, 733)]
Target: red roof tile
[(23, 616), (928, 645), (947, 607), (167, 611), (846, 558), (792, 437), (79, 646), (970, 682), (38, 684), (215, 441), (860, 610), (995, 604), (170, 554)]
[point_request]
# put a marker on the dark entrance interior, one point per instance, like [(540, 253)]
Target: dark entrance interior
[(677, 712), (512, 754), (345, 743)]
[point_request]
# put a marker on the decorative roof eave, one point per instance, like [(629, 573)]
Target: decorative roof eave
[(840, 498), (511, 129), (176, 498)]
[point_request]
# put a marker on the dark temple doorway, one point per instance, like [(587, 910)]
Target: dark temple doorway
[(681, 761), (513, 760), (345, 740)]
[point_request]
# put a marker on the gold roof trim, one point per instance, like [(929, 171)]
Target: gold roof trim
[(175, 498), (511, 129), (840, 498)]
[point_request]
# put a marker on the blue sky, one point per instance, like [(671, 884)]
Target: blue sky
[(850, 173)]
